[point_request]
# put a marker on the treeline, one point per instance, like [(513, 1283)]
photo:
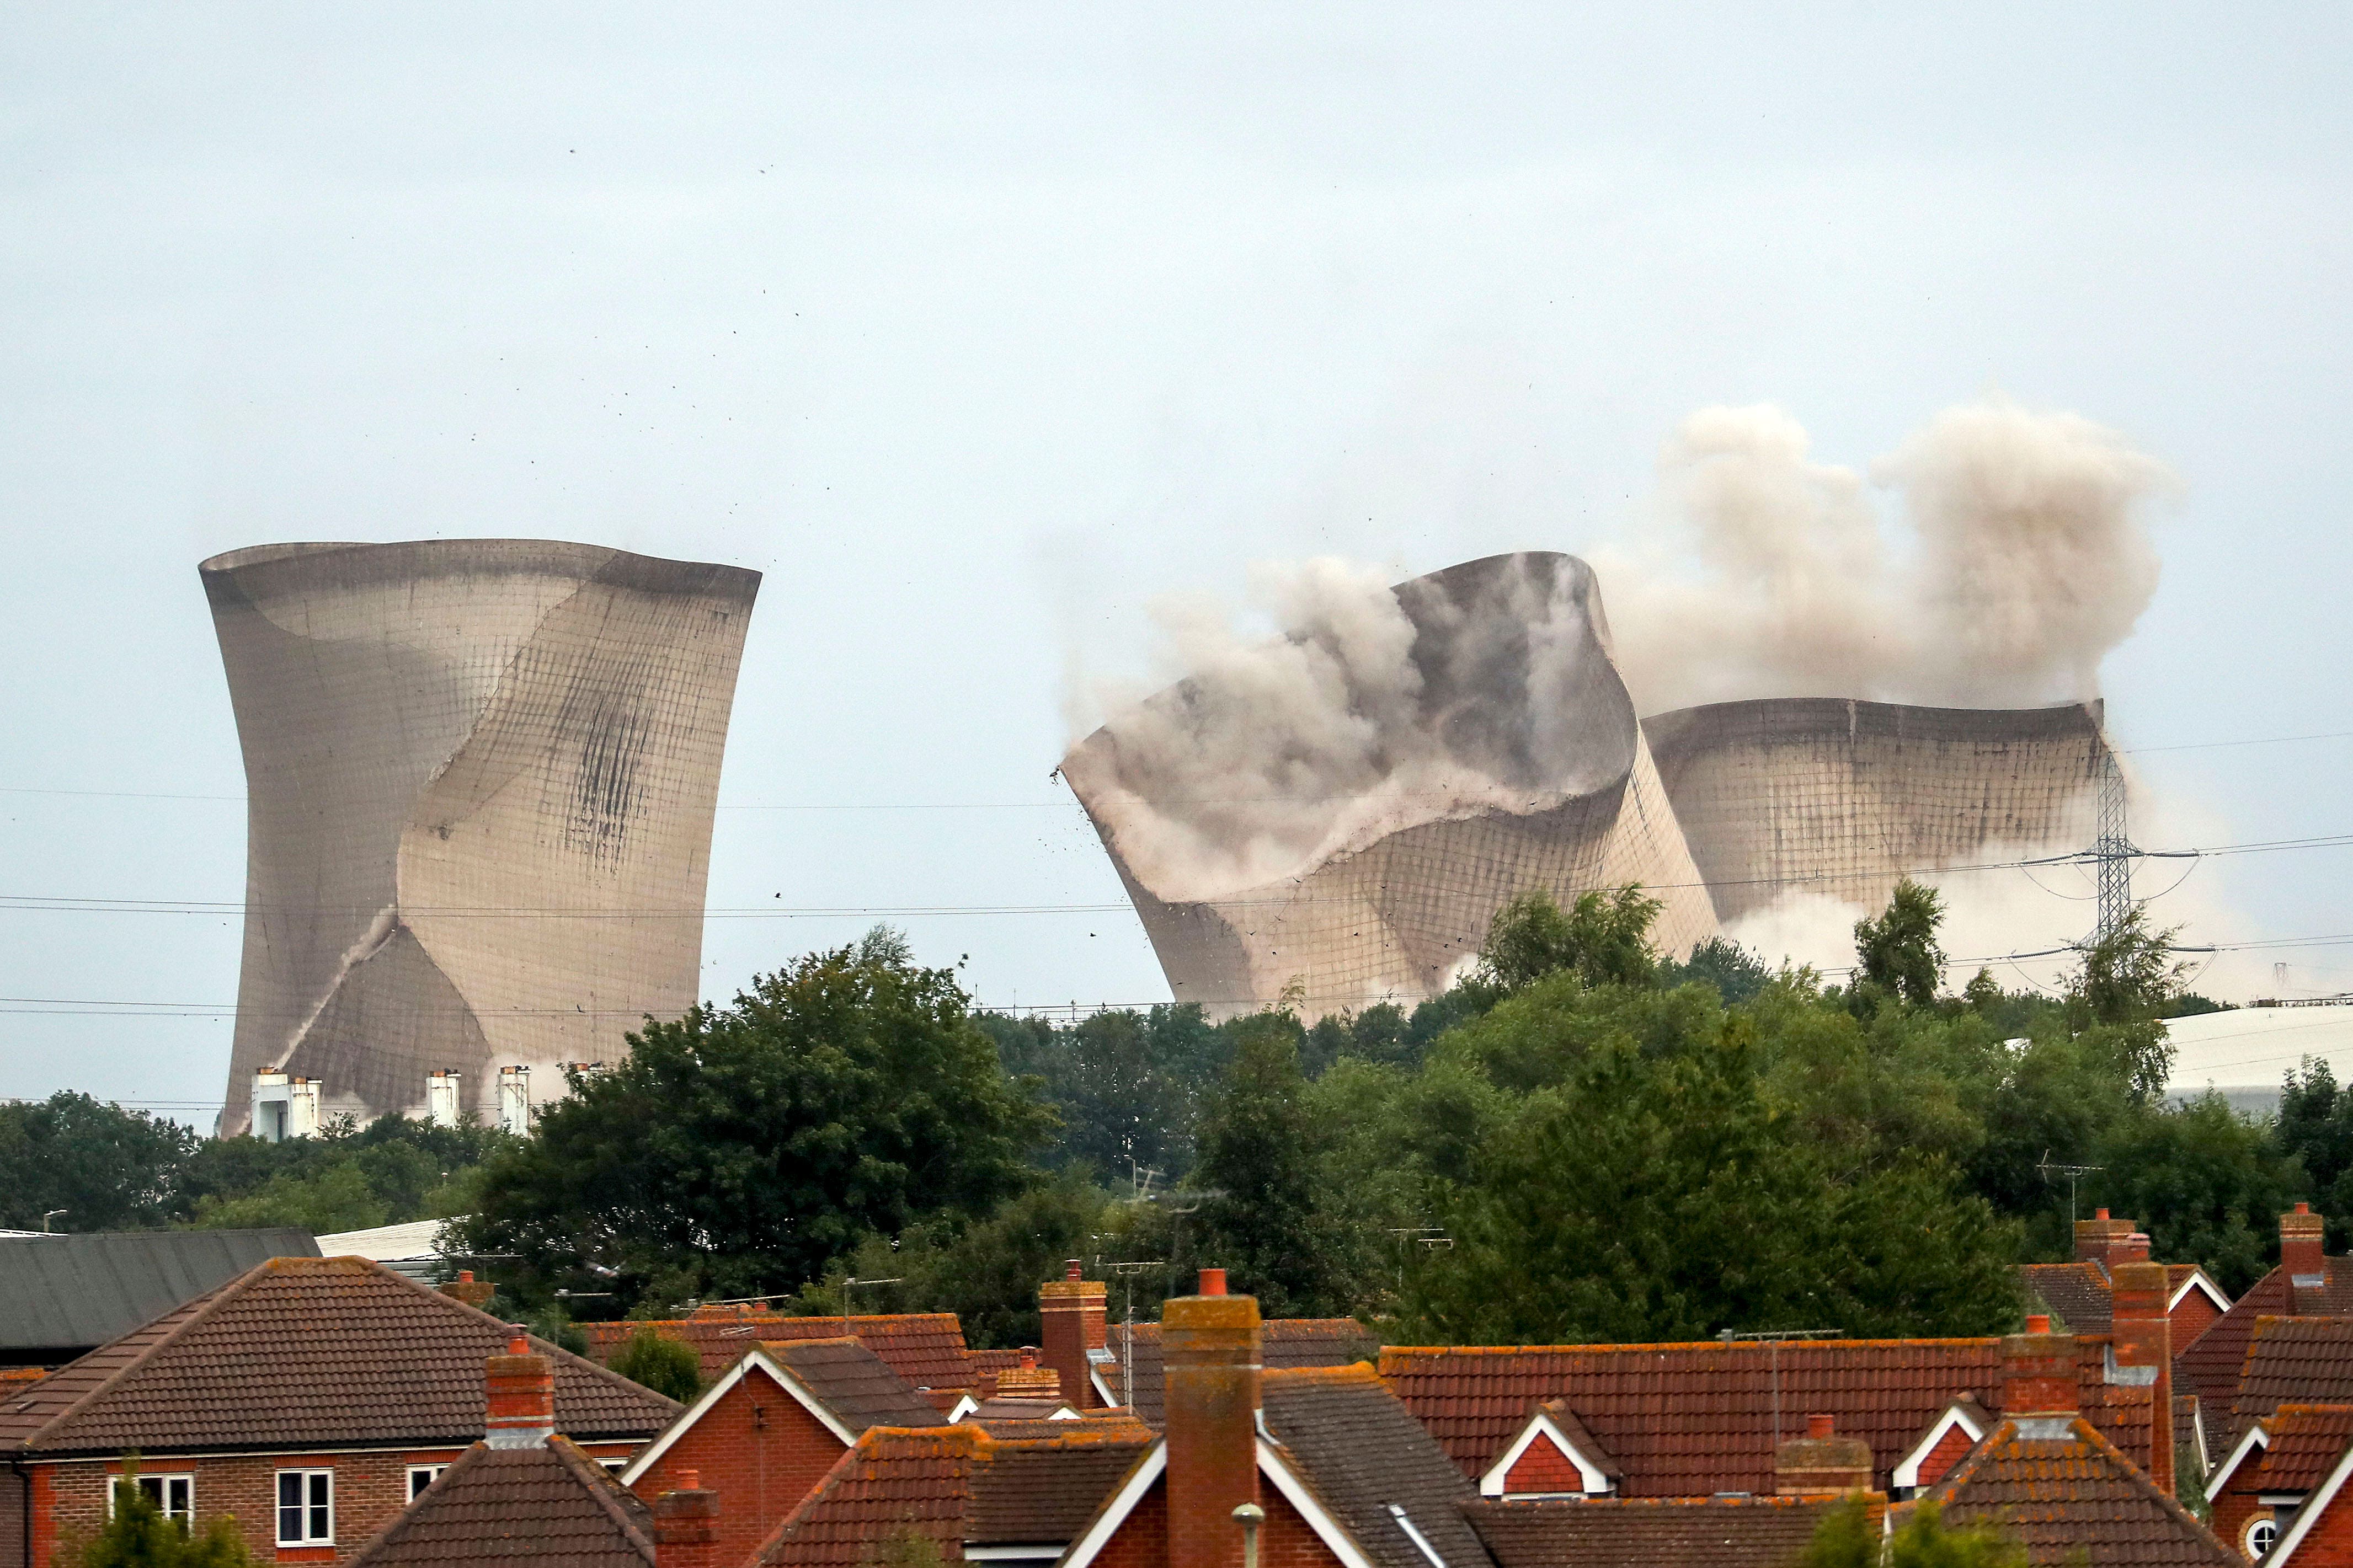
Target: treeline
[(1577, 1140), (111, 1169)]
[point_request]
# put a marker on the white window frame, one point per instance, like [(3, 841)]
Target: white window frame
[(431, 1472), (306, 1509), (163, 1482), (2247, 1537)]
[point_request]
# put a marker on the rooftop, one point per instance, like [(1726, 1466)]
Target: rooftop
[(551, 1507), (69, 1293), (2072, 1496), (1658, 1532)]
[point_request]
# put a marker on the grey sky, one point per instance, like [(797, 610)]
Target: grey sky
[(974, 328)]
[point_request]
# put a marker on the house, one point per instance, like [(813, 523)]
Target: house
[(2050, 1477), (2309, 1461), (1692, 1419), (64, 1296), (526, 1497), (772, 1426), (2260, 1488), (2306, 1284), (2078, 1292), (310, 1397)]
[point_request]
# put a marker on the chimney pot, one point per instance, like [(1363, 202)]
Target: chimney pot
[(2038, 1322), (689, 1481), (465, 1277), (2101, 1213), (1213, 1281), (1071, 1270), (2304, 1208), (1822, 1425)]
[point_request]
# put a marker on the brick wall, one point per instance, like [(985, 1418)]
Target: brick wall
[(2238, 1502), (1950, 1449), (2330, 1543), (1543, 1468), (1143, 1541), (1286, 1541), (760, 1449), (2193, 1316)]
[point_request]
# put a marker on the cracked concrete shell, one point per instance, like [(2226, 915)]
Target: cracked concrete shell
[(480, 776)]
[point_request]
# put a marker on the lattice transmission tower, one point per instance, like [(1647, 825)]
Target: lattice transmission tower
[(2114, 851)]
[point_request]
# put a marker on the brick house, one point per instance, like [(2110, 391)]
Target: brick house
[(2306, 1466), (2050, 1478), (2260, 1488), (2306, 1284), (309, 1397), (2080, 1293), (775, 1425)]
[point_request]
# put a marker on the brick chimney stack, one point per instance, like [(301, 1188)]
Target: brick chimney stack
[(2038, 1372), (2095, 1236), (1211, 1351), (520, 1397), (1822, 1463), (2132, 1248), (475, 1293), (1072, 1311), (1030, 1381), (2144, 1341), (686, 1525), (2300, 1244)]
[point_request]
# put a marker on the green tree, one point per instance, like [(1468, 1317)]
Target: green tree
[(2205, 1183), (138, 1535), (1848, 1538), (338, 1198), (1896, 952), (109, 1169), (1603, 939), (1736, 973), (665, 1365), (743, 1147)]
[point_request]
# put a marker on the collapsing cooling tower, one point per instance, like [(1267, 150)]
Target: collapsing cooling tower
[(1469, 740), (1804, 796), (480, 776)]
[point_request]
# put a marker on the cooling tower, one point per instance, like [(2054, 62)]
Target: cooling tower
[(1839, 798), (1496, 754), (480, 776)]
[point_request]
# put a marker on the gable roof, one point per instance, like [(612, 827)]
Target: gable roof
[(1372, 1465), (1658, 1532), (841, 1383), (1692, 1418), (2306, 1441), (952, 1485), (2078, 1292), (69, 1293), (541, 1506), (346, 1351), (925, 1348), (1555, 1422), (1284, 1343), (1972, 1419), (2064, 1490), (2307, 1361), (2211, 1365)]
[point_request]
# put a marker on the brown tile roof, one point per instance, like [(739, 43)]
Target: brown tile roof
[(924, 1348), (981, 1367), (2306, 1442), (2080, 1293), (17, 1379), (1689, 1419), (996, 1410), (1364, 1453), (2073, 1492), (1658, 1532), (849, 1379), (1127, 1428), (2306, 1361), (525, 1508), (2211, 1367), (1284, 1344), (305, 1352), (953, 1484)]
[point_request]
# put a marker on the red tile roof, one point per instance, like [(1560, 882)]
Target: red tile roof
[(2072, 1496), (1284, 1344), (924, 1348), (1657, 1532), (2307, 1361), (1689, 1419), (551, 1507), (951, 1485), (2306, 1442), (2211, 1367), (348, 1351)]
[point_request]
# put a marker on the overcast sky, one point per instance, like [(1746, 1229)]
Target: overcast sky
[(976, 328)]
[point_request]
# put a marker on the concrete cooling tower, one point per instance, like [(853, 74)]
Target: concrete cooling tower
[(1336, 821), (480, 777), (1838, 799)]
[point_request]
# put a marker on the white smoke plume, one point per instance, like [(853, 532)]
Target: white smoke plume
[(2018, 559)]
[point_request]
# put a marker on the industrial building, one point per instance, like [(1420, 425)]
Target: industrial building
[(480, 776)]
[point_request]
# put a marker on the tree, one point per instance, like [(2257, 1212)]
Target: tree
[(1260, 1153), (1848, 1538), (1896, 953), (2205, 1182), (337, 1199), (667, 1366), (138, 1535), (743, 1147), (1603, 939), (1736, 973), (109, 1169)]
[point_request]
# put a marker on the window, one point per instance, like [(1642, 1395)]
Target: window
[(422, 1475), (2262, 1530), (175, 1496), (306, 1507)]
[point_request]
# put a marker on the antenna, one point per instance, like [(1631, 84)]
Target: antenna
[(847, 1280), (1433, 1239), (1773, 1337), (2072, 1174)]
